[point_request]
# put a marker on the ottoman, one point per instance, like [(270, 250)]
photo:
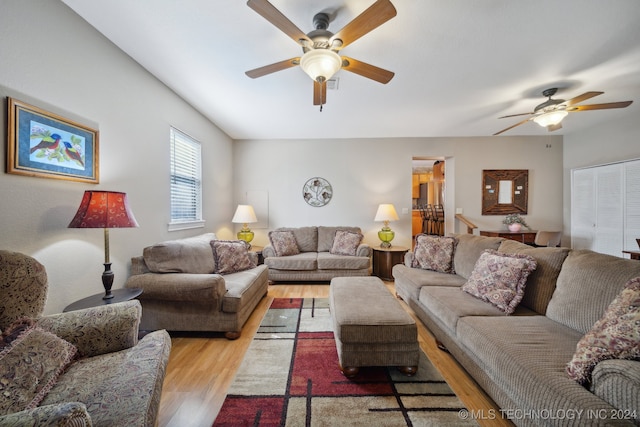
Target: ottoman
[(370, 326)]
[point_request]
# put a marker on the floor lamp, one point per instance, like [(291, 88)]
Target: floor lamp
[(104, 209)]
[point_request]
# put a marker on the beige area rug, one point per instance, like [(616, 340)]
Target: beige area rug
[(290, 377)]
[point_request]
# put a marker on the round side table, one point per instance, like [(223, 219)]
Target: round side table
[(119, 295), (385, 258)]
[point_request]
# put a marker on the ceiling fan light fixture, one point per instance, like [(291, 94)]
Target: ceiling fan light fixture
[(320, 64), (550, 118)]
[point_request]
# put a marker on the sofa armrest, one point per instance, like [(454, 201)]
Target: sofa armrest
[(617, 381), (72, 414), (364, 250), (180, 287), (97, 330), (408, 259), (268, 251)]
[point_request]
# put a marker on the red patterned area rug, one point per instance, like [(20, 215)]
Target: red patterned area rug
[(290, 377)]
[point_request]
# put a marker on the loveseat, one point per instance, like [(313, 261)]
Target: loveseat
[(316, 253), (198, 283), (80, 368), (522, 360)]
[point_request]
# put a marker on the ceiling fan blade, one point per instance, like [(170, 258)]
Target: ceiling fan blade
[(377, 14), (273, 15), (367, 70), (516, 115), (511, 127), (319, 93), (272, 68), (551, 128), (580, 98), (606, 106)]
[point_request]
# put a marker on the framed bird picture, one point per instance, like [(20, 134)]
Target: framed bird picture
[(46, 145)]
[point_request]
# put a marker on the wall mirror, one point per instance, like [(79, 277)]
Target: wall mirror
[(504, 191)]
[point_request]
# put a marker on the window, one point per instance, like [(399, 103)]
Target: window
[(186, 185)]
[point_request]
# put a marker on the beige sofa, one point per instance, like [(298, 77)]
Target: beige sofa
[(80, 368), (520, 359), (317, 257), (183, 292)]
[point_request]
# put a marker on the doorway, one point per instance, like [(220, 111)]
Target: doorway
[(428, 196)]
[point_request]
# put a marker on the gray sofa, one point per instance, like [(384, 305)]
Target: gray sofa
[(520, 359), (183, 292), (315, 260)]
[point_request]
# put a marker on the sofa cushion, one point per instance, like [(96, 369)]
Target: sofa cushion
[(542, 282), (469, 249), (306, 237), (327, 234), (615, 336), (346, 243), (408, 281), (328, 261), (593, 279), (231, 256), (448, 304), (500, 279), (301, 261), (284, 243), (190, 255), (30, 364), (434, 253)]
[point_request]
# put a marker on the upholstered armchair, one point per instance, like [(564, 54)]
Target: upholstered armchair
[(85, 367)]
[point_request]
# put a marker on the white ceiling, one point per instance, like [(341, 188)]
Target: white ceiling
[(459, 64)]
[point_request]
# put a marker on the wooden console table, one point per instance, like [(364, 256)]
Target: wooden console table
[(633, 254), (522, 236)]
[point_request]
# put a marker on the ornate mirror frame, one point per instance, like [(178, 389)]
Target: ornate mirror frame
[(505, 191)]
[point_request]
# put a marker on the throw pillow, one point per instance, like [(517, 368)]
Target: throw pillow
[(284, 243), (434, 253), (30, 364), (346, 243), (231, 256), (500, 279), (615, 336)]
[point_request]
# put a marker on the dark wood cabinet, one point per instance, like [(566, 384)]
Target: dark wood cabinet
[(527, 237), (385, 258)]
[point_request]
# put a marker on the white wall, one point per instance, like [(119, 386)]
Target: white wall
[(52, 58), (367, 172)]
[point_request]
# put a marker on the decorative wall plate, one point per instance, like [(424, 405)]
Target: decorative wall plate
[(317, 192)]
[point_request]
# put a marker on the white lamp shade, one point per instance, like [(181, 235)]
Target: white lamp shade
[(386, 212), (244, 215), (320, 64), (551, 118)]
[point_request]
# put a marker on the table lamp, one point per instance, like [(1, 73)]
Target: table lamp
[(245, 215), (104, 209), (386, 213)]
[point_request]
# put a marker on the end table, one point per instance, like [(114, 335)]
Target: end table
[(119, 295), (385, 258)]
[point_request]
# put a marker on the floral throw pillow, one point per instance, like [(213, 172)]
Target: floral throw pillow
[(500, 279), (231, 256), (346, 243), (30, 363), (434, 253), (284, 243), (615, 336)]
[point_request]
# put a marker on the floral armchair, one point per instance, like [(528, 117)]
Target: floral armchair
[(80, 368)]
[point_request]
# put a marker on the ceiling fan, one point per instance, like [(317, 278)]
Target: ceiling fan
[(320, 47), (550, 113)]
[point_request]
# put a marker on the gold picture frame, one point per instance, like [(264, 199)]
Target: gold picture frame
[(46, 145)]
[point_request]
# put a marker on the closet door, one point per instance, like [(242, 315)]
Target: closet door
[(632, 205)]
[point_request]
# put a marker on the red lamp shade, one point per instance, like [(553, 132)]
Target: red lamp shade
[(103, 209)]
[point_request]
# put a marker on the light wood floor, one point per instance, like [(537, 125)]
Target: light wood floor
[(202, 367)]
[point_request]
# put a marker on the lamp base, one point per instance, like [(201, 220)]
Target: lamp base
[(246, 235), (107, 281), (386, 235)]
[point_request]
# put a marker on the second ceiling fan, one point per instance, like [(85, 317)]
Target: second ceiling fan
[(320, 47)]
